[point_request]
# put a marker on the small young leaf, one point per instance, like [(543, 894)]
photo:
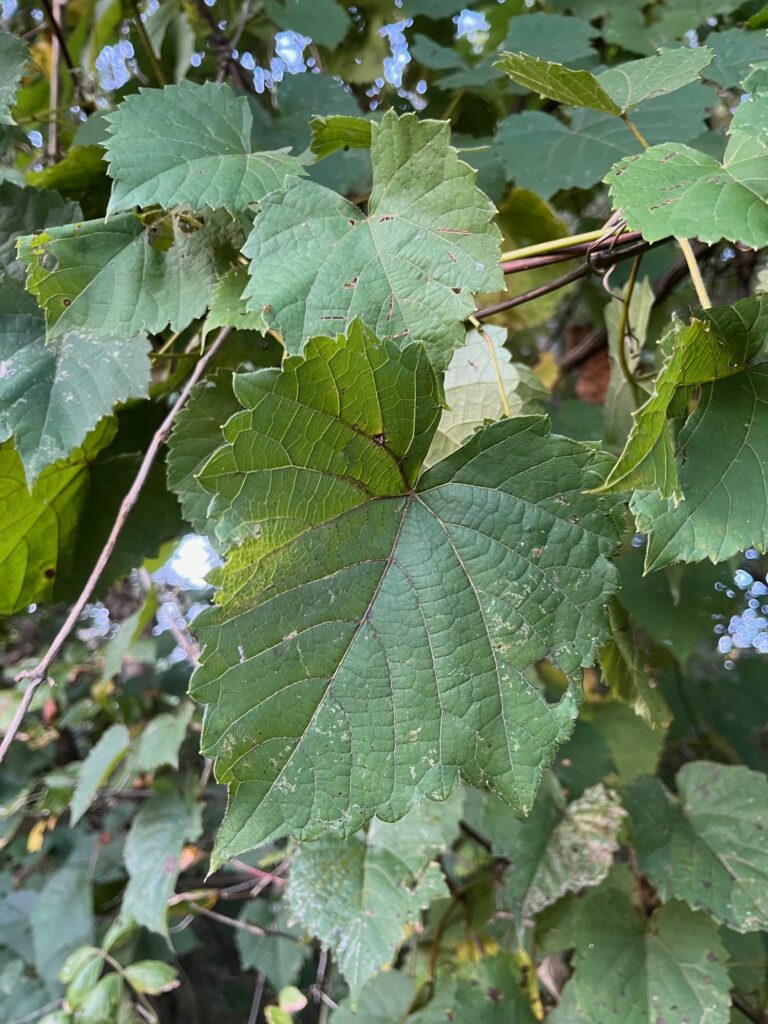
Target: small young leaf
[(152, 977), (190, 145), (708, 847)]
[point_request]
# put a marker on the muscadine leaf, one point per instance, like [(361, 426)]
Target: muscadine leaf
[(373, 626), (558, 848), (196, 432), (547, 78), (120, 277), (725, 509), (472, 395), (361, 895), (27, 210), (40, 526), (407, 269), (672, 189), (488, 990), (191, 145), (541, 152), (635, 81), (51, 396), (152, 852), (627, 667), (99, 764), (13, 58), (670, 966), (716, 344), (708, 846), (339, 131)]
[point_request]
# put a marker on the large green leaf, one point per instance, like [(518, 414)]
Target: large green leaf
[(152, 852), (190, 144), (360, 896), (558, 848), (547, 78), (708, 847), (407, 268), (373, 627), (716, 344), (24, 211), (668, 967), (13, 57), (51, 396), (543, 153), (472, 396), (120, 277), (722, 448), (672, 189), (40, 526), (634, 82)]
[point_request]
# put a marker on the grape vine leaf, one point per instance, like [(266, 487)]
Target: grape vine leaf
[(669, 967), (541, 152), (722, 478), (407, 269), (360, 896), (122, 277), (556, 82), (672, 189), (152, 856), (627, 667), (636, 81), (40, 526), (488, 990), (335, 643), (472, 394), (552, 37), (51, 396), (708, 846), (734, 51), (13, 58), (190, 144), (101, 761), (715, 344), (24, 211), (339, 131), (558, 848)]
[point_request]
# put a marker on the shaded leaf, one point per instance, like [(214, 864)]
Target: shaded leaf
[(278, 957), (318, 262), (734, 51), (227, 307), (24, 211), (552, 37), (709, 846), (383, 999), (189, 144), (62, 918), (413, 676), (97, 767), (323, 20), (636, 81), (161, 738), (13, 58), (488, 990)]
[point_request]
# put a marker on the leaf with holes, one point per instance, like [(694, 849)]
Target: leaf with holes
[(407, 269), (374, 626)]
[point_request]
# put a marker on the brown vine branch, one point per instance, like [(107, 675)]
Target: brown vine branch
[(569, 252), (39, 674), (220, 45), (750, 1012), (57, 31)]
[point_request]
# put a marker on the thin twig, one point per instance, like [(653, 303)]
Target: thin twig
[(695, 272), (146, 42), (37, 675), (554, 245), (57, 31), (750, 1012), (54, 79), (220, 44), (258, 992)]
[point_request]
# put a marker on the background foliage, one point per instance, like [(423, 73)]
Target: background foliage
[(487, 689)]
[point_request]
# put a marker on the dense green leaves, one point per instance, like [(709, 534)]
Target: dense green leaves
[(190, 145), (406, 269), (24, 211), (709, 847), (52, 395), (673, 189), (13, 57), (309, 602)]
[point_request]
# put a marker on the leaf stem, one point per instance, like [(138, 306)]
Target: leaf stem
[(635, 131), (39, 674), (496, 368), (624, 327), (695, 272), (553, 245)]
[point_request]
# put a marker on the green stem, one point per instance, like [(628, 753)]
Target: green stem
[(621, 346), (553, 245)]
